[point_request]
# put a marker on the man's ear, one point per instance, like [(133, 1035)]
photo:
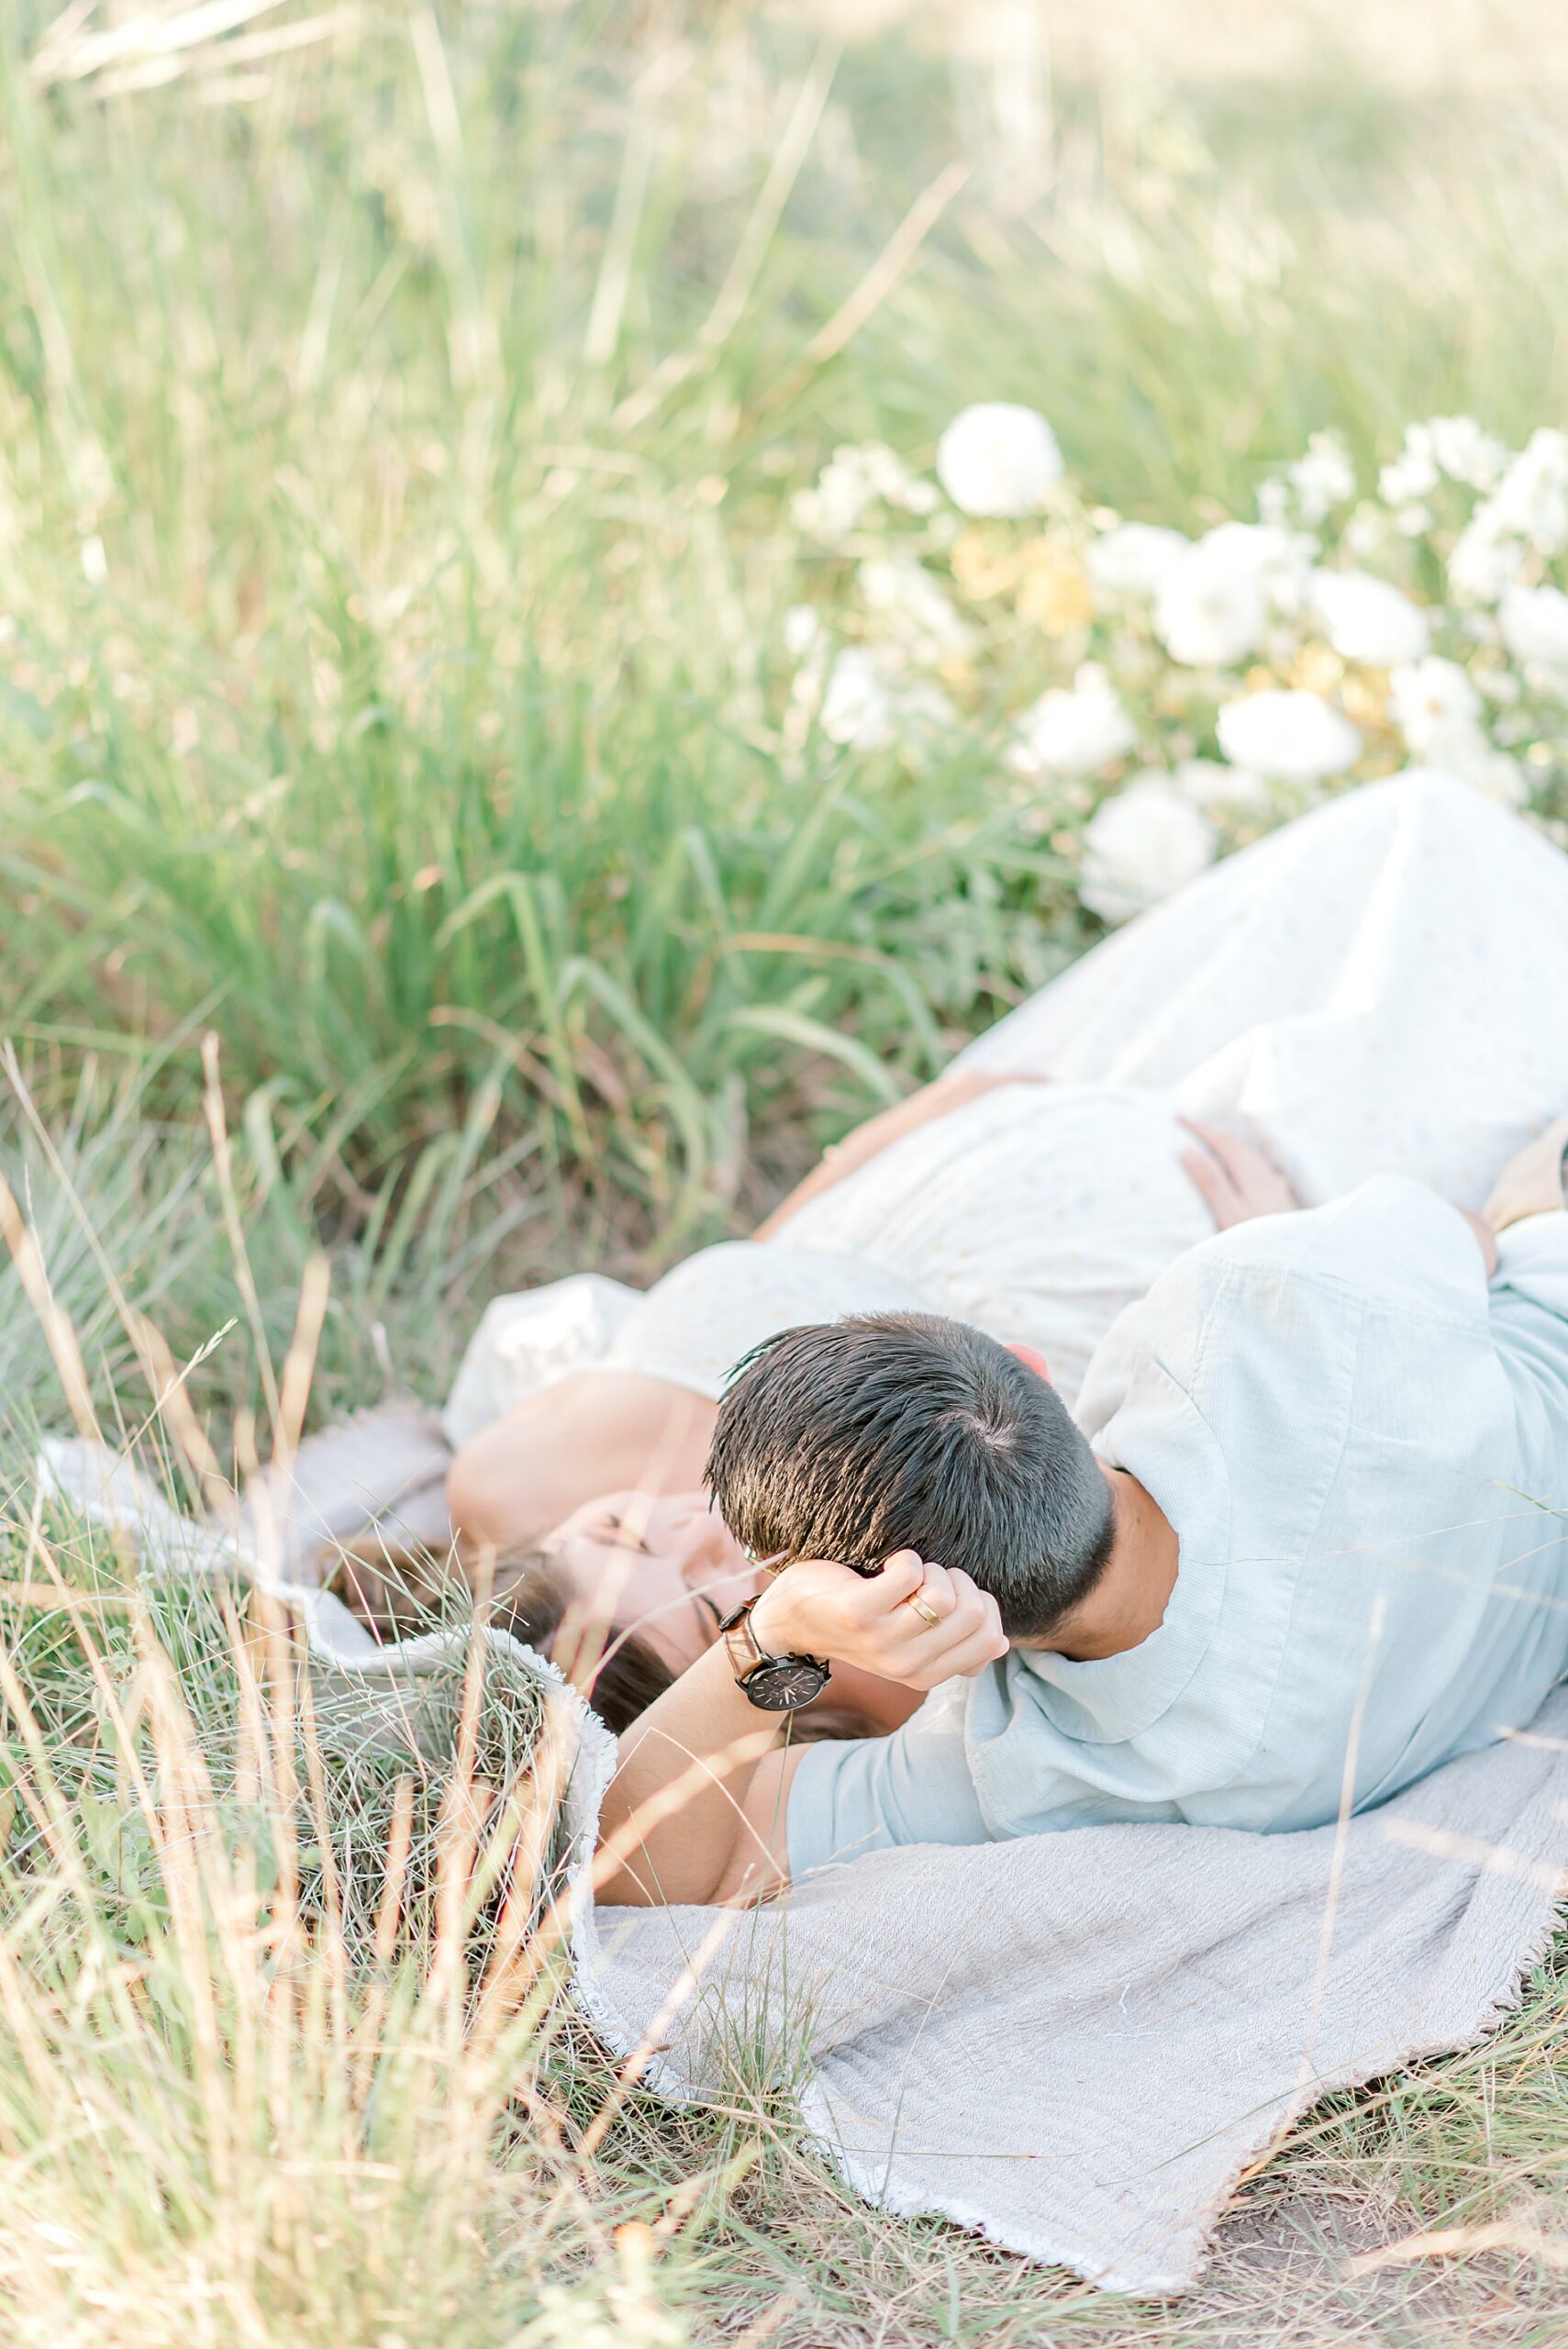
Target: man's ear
[(1033, 1359)]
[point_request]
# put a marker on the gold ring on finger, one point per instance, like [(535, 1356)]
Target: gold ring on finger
[(927, 1613)]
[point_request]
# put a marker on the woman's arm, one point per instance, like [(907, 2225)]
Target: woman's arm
[(879, 1133), (1533, 1183), (1239, 1181), (596, 1432), (695, 1810)]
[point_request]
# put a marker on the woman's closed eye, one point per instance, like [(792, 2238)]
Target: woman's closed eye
[(615, 1530)]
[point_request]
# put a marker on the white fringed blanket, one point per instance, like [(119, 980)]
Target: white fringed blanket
[(1075, 2043)]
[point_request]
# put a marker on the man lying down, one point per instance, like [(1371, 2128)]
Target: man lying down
[(1306, 1538)]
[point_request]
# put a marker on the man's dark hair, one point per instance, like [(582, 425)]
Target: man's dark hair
[(886, 1431)]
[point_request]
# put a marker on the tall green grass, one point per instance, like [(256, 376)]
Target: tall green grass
[(397, 467)]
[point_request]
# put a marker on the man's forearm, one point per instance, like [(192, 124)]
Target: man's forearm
[(673, 1815)]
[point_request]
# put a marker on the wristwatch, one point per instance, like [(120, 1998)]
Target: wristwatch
[(775, 1684)]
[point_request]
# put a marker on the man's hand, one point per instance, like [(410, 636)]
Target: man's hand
[(818, 1609), (1237, 1178)]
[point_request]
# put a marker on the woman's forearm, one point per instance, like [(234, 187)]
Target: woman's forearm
[(674, 1816)]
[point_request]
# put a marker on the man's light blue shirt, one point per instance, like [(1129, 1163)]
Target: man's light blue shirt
[(1363, 1447)]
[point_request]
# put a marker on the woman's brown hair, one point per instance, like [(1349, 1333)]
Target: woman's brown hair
[(401, 1590)]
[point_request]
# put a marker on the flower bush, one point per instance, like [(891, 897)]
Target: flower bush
[(1159, 697)]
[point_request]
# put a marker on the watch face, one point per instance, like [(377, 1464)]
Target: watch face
[(785, 1683)]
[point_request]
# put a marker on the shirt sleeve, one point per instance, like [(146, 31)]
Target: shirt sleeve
[(857, 1794)]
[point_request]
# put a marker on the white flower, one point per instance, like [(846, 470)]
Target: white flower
[(1366, 620), (1134, 557), (1072, 732), (917, 611), (1280, 557), (1483, 560), (858, 708), (1530, 501), (1414, 471), (802, 627), (998, 458), (1465, 453), (1430, 697), (1141, 845), (853, 481), (1529, 508), (1209, 783), (1324, 478), (1210, 609), (1534, 621), (1290, 737), (871, 702)]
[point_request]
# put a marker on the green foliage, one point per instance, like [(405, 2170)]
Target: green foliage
[(395, 498)]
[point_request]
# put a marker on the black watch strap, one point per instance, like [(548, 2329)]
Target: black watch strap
[(775, 1683)]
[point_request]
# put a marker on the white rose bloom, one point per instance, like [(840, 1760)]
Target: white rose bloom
[(858, 706), (1414, 471), (1366, 620), (1289, 737), (1072, 732), (998, 458), (1210, 612), (1134, 557), (1209, 783), (916, 611), (1465, 453), (1140, 846), (1430, 697), (1534, 621)]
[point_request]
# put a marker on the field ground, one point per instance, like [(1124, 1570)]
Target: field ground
[(397, 435)]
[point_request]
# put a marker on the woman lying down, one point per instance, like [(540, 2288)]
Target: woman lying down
[(1282, 1536)]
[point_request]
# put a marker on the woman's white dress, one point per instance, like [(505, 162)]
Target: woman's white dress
[(1379, 987)]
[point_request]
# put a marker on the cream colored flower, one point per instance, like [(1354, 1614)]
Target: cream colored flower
[(1072, 730), (1367, 620), (1428, 698), (1208, 614), (1213, 605), (1140, 846), (998, 458), (1290, 737)]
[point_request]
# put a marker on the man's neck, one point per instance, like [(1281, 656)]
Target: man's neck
[(1130, 1598)]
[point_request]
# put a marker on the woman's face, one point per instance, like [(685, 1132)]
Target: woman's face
[(666, 1567)]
